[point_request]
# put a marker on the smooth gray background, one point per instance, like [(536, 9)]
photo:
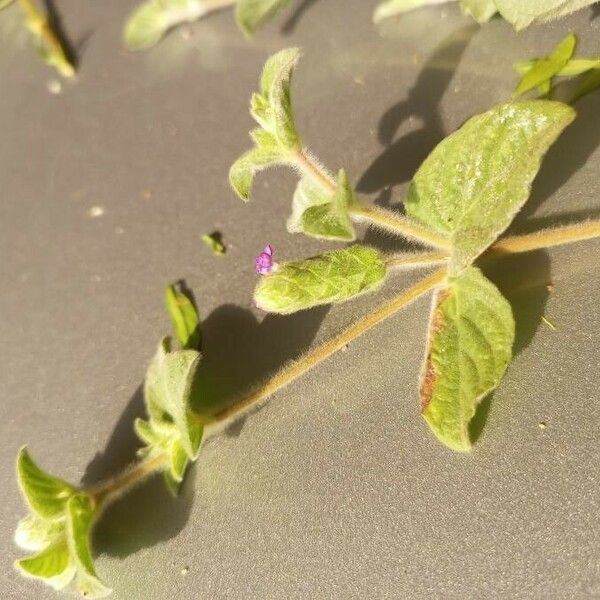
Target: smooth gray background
[(336, 489)]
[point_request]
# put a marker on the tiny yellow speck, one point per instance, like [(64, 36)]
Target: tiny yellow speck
[(549, 323)]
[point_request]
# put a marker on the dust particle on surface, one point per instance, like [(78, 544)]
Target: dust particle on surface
[(95, 211)]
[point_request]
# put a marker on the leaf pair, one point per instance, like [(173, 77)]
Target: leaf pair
[(320, 207), (540, 73), (520, 13), (58, 531), (172, 428)]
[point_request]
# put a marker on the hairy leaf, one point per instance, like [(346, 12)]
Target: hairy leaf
[(167, 393), (80, 515), (522, 13), (46, 495), (253, 14), (390, 8), (470, 345), (332, 277), (320, 214), (184, 317), (481, 10), (53, 565), (543, 70), (35, 533), (151, 20), (474, 182)]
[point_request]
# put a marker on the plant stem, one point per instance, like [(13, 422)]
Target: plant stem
[(310, 167), (546, 238), (319, 354), (400, 225), (416, 260), (39, 25), (385, 219), (107, 491)]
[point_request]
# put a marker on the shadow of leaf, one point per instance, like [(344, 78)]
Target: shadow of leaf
[(292, 22), (238, 352), (523, 280), (398, 162)]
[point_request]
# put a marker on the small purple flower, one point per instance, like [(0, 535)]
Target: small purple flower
[(264, 261)]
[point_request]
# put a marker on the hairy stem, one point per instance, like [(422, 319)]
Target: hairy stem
[(398, 224), (107, 491), (40, 26), (408, 261), (319, 354), (386, 219), (546, 238)]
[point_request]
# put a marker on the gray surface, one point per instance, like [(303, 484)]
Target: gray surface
[(336, 489)]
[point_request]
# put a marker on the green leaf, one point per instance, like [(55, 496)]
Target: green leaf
[(320, 214), (35, 533), (80, 516), (250, 15), (213, 241), (178, 460), (46, 495), (149, 22), (522, 13), (184, 317), (474, 182), (243, 170), (167, 393), (391, 8), (332, 277), (543, 70), (53, 565), (481, 10), (470, 345)]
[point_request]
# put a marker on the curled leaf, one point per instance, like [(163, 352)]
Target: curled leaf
[(184, 317), (321, 214), (332, 277), (253, 14)]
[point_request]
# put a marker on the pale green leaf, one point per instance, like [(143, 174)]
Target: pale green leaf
[(167, 393), (178, 460), (46, 495), (243, 170), (522, 13), (332, 277), (577, 66), (80, 516), (474, 182), (35, 533), (149, 22), (151, 437), (213, 241), (470, 345), (543, 70), (390, 8), (184, 317), (253, 14), (321, 214), (481, 10), (53, 565)]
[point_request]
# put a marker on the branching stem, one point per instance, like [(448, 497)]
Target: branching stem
[(388, 220), (319, 354)]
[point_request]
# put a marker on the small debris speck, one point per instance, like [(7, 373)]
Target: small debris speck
[(119, 230), (96, 211), (185, 570), (345, 348), (146, 194), (54, 86), (550, 288), (214, 241), (542, 425)]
